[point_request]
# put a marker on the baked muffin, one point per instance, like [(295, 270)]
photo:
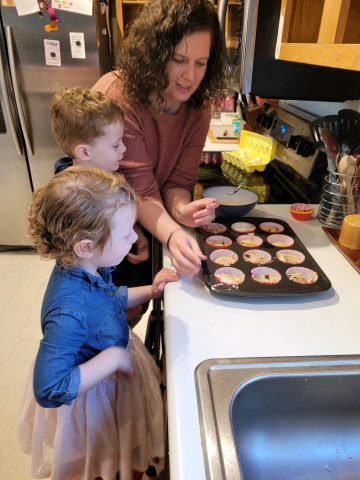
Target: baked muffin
[(294, 257), (224, 257), (218, 241), (302, 275), (258, 257), (249, 240), (229, 276), (279, 240), (243, 227), (271, 227), (265, 275), (214, 228)]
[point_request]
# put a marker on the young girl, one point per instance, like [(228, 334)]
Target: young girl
[(93, 405), (170, 67)]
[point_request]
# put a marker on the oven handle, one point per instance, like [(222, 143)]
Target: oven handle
[(15, 82)]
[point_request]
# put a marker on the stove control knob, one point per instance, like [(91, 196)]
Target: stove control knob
[(264, 120), (301, 145)]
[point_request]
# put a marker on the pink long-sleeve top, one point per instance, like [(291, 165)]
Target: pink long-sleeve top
[(162, 151)]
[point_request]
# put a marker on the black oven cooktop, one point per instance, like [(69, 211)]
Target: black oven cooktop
[(284, 184)]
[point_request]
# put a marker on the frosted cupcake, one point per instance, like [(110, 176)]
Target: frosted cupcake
[(302, 275), (265, 275), (218, 241), (271, 227), (224, 257), (229, 276), (243, 227), (258, 257), (249, 240), (294, 257), (278, 240), (215, 228)]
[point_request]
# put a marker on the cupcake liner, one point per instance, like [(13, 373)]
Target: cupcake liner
[(278, 240), (229, 276), (258, 257), (302, 275), (294, 257), (302, 207), (271, 227), (218, 241), (243, 227), (224, 257), (250, 240), (265, 275), (215, 228)]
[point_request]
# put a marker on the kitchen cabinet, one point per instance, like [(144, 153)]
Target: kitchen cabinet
[(321, 32), (126, 11)]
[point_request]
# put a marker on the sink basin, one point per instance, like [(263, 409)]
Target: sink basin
[(289, 418)]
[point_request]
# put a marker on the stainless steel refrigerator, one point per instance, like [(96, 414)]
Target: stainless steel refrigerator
[(27, 83)]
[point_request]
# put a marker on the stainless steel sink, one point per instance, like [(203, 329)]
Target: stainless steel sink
[(290, 418)]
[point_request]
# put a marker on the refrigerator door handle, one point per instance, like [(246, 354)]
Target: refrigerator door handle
[(9, 39), (8, 108)]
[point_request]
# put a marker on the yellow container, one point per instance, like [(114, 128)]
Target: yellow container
[(255, 152)]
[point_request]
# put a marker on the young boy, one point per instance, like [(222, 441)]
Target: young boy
[(89, 129)]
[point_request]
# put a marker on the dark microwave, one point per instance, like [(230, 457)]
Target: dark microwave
[(252, 65)]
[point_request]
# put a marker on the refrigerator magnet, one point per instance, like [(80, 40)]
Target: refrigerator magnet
[(77, 44), (52, 53)]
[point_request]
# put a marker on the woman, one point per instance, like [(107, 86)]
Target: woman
[(170, 66)]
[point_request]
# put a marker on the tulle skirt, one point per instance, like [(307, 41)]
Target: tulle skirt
[(117, 426)]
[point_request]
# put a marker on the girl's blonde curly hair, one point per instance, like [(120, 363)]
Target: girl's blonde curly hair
[(77, 204)]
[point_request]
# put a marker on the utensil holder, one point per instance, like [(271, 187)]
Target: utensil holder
[(340, 197)]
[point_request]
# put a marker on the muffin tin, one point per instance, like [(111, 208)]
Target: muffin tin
[(283, 267)]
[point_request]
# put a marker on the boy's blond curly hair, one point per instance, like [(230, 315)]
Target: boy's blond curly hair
[(79, 115), (77, 204)]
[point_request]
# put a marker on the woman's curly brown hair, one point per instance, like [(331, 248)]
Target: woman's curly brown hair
[(150, 45), (77, 204)]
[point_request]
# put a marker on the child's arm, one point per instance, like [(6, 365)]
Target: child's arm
[(138, 295), (58, 379), (102, 365)]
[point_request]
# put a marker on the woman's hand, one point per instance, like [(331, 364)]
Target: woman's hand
[(164, 276), (142, 248), (198, 213), (185, 253)]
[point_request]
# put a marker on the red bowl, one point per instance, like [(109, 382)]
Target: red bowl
[(301, 211)]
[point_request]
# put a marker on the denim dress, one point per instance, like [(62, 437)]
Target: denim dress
[(81, 315), (117, 425)]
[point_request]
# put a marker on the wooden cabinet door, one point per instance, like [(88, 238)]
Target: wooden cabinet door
[(320, 32)]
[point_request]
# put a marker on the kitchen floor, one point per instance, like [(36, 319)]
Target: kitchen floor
[(23, 279)]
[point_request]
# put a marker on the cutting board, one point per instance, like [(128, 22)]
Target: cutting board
[(216, 134)]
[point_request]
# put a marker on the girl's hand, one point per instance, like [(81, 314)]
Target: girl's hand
[(199, 213), (164, 276), (185, 253)]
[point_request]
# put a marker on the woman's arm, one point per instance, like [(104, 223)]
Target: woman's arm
[(184, 250)]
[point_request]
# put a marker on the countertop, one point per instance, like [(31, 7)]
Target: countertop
[(199, 326), (219, 146)]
